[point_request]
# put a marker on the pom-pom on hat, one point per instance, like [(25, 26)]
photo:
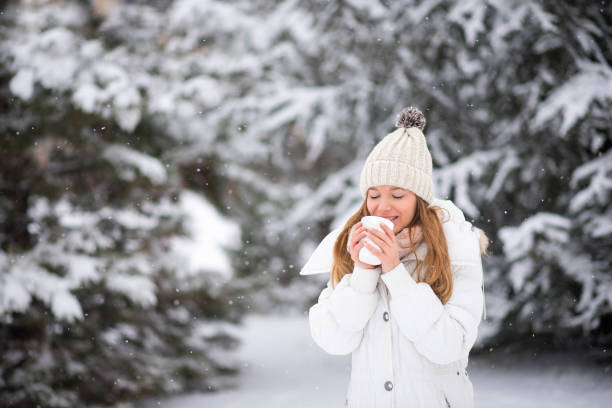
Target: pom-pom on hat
[(401, 159)]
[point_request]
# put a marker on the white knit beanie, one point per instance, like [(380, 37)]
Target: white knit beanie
[(401, 159)]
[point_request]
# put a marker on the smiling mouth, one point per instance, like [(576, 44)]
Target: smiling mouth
[(392, 219)]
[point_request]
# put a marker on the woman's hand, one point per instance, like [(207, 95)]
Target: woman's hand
[(358, 232), (388, 253)]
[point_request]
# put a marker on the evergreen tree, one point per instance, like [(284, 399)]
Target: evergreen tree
[(114, 283), (270, 108)]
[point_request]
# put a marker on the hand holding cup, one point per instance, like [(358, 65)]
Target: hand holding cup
[(356, 242), (380, 244)]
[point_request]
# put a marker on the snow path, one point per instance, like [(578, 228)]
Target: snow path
[(286, 369)]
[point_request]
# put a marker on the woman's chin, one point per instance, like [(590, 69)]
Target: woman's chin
[(398, 228)]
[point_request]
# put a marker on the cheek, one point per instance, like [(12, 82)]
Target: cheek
[(408, 212), (370, 207), (405, 220)]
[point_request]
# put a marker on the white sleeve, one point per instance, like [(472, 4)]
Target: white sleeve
[(338, 318), (441, 333)]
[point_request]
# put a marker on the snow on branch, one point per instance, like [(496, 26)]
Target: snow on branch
[(519, 244), (459, 175), (25, 279), (575, 96), (596, 287), (318, 204), (122, 156), (469, 15), (509, 162), (597, 175), (518, 241)]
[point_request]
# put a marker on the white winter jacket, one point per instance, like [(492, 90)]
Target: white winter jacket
[(408, 350)]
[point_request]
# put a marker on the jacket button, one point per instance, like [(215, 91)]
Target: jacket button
[(386, 316), (388, 386)]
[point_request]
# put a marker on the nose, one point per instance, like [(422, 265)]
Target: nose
[(384, 204)]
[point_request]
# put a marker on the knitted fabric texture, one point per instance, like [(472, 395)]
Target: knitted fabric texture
[(401, 159)]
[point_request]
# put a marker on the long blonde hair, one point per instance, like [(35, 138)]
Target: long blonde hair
[(435, 269)]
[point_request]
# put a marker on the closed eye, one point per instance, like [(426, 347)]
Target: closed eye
[(398, 197)]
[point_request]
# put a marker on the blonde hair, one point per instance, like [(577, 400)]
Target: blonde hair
[(435, 269)]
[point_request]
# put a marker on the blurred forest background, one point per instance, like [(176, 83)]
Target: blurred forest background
[(166, 167)]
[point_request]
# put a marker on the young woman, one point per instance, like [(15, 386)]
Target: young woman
[(410, 322)]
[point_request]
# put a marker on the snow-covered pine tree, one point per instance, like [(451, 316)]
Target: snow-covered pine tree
[(279, 102), (209, 87), (518, 115), (114, 283), (518, 123), (531, 113)]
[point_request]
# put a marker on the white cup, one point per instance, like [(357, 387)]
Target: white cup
[(372, 221)]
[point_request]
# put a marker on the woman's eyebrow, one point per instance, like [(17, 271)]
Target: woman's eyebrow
[(393, 189)]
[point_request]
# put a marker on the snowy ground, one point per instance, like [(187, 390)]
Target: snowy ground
[(286, 369)]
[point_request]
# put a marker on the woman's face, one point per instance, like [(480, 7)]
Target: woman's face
[(393, 203)]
